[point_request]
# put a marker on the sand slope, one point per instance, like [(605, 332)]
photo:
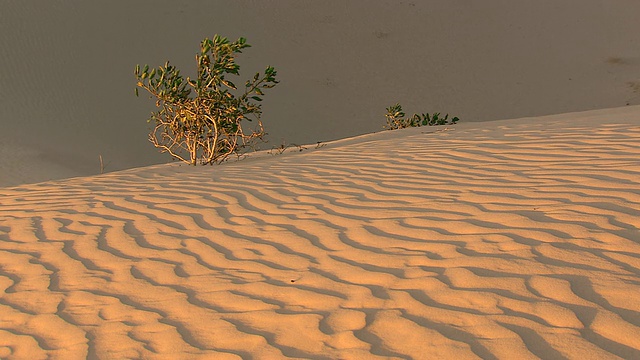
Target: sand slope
[(507, 239), (67, 83)]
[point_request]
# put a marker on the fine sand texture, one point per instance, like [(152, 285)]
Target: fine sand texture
[(513, 239)]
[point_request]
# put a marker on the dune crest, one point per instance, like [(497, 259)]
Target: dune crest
[(506, 239)]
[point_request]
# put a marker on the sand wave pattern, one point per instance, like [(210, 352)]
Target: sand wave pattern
[(517, 242)]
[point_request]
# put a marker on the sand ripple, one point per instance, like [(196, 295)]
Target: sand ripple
[(505, 241)]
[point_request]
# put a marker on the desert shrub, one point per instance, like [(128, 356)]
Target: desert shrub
[(396, 119), (200, 118)]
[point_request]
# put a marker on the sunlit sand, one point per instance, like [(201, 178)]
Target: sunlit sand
[(513, 239)]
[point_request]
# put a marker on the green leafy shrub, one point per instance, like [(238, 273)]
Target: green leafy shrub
[(396, 119), (200, 118)]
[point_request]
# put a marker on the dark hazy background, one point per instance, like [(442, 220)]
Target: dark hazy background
[(67, 85)]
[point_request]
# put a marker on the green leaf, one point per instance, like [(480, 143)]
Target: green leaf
[(256, 98), (229, 84)]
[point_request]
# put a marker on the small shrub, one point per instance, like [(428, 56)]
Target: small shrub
[(396, 119), (201, 117)]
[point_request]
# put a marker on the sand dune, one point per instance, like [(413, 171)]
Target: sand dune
[(67, 84), (506, 239)]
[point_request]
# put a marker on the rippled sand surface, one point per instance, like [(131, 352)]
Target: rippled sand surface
[(508, 239)]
